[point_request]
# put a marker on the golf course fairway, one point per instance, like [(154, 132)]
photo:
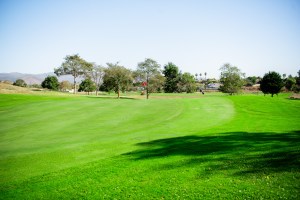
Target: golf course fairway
[(210, 147)]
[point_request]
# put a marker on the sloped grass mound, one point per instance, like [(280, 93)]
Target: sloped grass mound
[(6, 88)]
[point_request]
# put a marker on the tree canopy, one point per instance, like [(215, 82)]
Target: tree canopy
[(250, 80), (156, 83), (271, 83), (65, 85), (187, 83), (290, 83), (149, 76), (73, 65), (96, 75), (117, 78), (87, 85), (296, 87), (147, 70), (231, 79), (171, 73), (51, 83)]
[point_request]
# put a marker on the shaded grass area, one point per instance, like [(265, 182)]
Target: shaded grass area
[(234, 165), (217, 147), (257, 152)]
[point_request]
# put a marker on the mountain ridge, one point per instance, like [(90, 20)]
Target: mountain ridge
[(34, 78)]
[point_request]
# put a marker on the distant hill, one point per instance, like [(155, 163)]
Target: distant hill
[(34, 78)]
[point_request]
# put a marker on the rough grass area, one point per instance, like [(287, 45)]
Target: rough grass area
[(6, 88), (213, 147)]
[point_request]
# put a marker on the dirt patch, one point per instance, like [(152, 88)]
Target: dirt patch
[(295, 96)]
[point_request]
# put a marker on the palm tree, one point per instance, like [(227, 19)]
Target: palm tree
[(196, 76), (205, 75)]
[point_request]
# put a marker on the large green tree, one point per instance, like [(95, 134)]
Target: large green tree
[(171, 73), (231, 79), (51, 83), (117, 78), (148, 69), (250, 81), (271, 83), (290, 83), (156, 83), (296, 87), (187, 83), (87, 85), (73, 65)]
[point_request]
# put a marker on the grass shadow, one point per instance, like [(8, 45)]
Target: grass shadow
[(246, 152)]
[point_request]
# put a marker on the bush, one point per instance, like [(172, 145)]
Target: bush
[(87, 86), (50, 82), (20, 82)]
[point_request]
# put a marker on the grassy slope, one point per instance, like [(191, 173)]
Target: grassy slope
[(213, 147)]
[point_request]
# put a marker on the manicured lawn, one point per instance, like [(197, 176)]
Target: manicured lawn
[(203, 147)]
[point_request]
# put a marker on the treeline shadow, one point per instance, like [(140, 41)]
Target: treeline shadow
[(246, 152)]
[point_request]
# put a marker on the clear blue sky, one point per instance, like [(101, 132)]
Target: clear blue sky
[(198, 36)]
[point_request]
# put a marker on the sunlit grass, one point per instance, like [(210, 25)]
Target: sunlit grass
[(213, 146)]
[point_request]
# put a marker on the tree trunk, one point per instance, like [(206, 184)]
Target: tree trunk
[(74, 85), (118, 90), (97, 87), (147, 89), (147, 92)]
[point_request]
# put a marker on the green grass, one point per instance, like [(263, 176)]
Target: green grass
[(213, 147)]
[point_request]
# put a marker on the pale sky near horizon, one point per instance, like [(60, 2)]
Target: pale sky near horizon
[(198, 36)]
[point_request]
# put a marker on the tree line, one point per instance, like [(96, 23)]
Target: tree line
[(150, 78), (232, 80)]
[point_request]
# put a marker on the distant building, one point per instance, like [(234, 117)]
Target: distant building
[(213, 86)]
